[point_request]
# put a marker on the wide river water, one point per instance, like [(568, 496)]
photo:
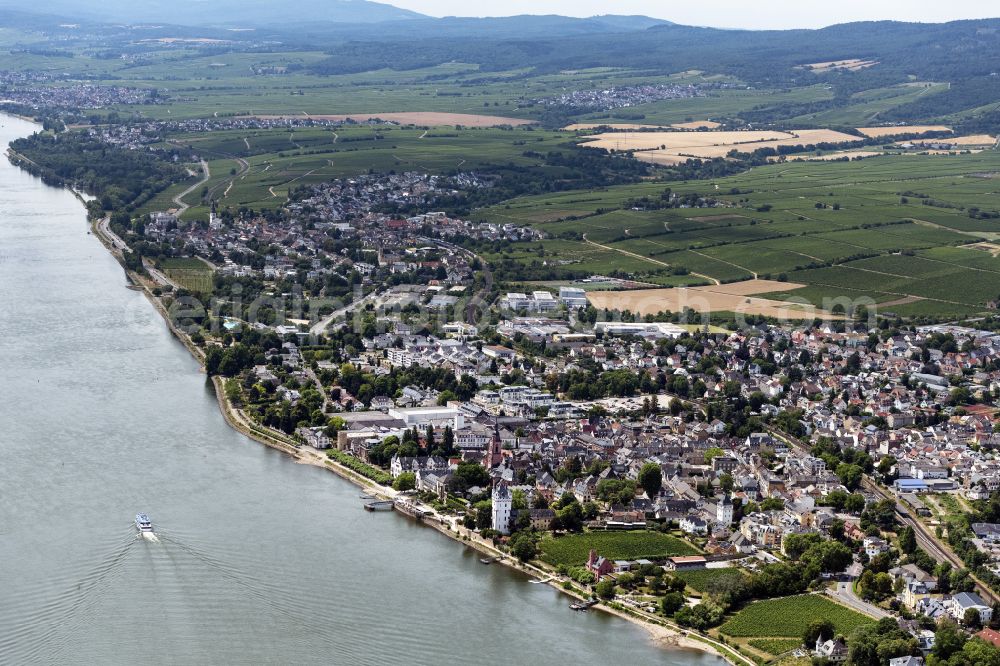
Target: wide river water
[(260, 560)]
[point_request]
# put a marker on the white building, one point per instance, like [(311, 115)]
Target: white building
[(543, 301), (652, 330), (573, 297), (724, 511), (517, 301), (963, 601), (503, 505), (425, 416)]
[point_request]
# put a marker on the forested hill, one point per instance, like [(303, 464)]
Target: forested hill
[(965, 54), (929, 51)]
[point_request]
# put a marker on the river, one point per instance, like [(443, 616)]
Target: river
[(260, 560)]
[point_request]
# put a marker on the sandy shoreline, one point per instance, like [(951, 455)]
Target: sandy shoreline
[(661, 635)]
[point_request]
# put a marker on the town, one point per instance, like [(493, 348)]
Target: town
[(711, 479), (583, 339)]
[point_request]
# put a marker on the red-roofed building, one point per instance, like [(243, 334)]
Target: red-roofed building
[(990, 636), (599, 566)]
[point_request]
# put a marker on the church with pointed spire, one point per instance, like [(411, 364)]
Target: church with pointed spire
[(494, 454)]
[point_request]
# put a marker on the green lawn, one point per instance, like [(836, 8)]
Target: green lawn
[(573, 549), (790, 616)]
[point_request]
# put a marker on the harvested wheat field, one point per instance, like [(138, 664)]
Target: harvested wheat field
[(676, 147), (697, 124), (428, 118), (734, 297), (968, 140), (878, 132)]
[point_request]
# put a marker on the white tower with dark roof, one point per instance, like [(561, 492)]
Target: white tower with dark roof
[(503, 505)]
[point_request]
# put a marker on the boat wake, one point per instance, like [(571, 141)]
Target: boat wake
[(42, 630), (148, 536)]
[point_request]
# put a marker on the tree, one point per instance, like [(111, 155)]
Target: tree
[(700, 617), (829, 556), (875, 586), (948, 640), (881, 514), (570, 517), (971, 618), (671, 603), (907, 540), (820, 629), (943, 573), (712, 453), (875, 644), (522, 546), (772, 504), (795, 545), (484, 514), (651, 479), (405, 481), (850, 475), (448, 442), (471, 474), (855, 503), (605, 589)]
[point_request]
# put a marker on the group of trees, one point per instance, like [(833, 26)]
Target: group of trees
[(118, 177), (364, 385), (953, 647)]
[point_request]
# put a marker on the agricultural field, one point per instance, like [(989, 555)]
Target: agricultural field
[(701, 579), (425, 118), (192, 274), (678, 147), (714, 298), (788, 617), (258, 168), (573, 549), (899, 232), (715, 104), (774, 646)]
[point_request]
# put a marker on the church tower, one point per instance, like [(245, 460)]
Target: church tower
[(494, 456)]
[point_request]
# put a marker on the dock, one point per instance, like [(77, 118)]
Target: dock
[(379, 505), (412, 510)]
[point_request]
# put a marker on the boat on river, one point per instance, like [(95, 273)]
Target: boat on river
[(143, 523)]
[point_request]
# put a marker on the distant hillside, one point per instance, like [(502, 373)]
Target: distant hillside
[(231, 13), (965, 54)]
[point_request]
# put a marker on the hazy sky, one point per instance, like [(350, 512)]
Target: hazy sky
[(723, 13)]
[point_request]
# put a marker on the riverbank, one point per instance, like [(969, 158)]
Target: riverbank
[(661, 634)]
